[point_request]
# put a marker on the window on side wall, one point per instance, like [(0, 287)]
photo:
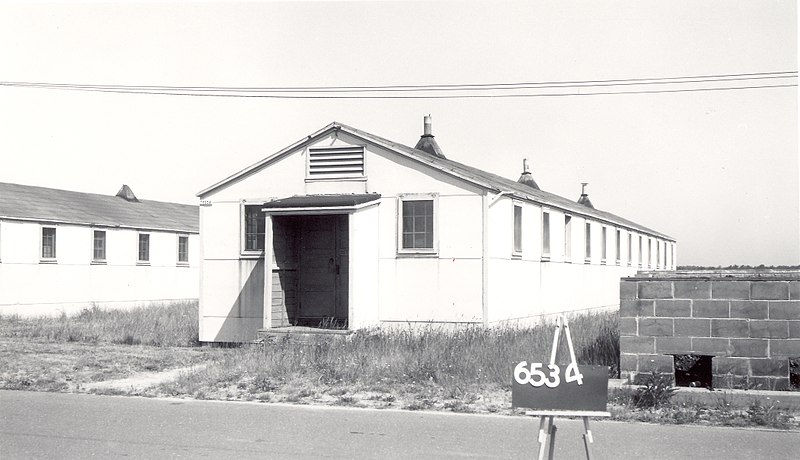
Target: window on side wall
[(417, 222), (567, 238), (630, 249), (546, 235), (619, 246), (649, 253), (658, 254), (253, 229), (517, 249), (99, 247), (48, 244), (672, 252), (640, 251), (183, 250), (588, 241), (144, 249), (604, 245)]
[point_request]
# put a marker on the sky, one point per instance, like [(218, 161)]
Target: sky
[(717, 170)]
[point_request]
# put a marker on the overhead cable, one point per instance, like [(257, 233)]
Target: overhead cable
[(741, 81)]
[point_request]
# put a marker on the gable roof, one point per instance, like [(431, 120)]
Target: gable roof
[(469, 174), (41, 204)]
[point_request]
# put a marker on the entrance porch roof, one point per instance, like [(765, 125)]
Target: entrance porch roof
[(320, 203)]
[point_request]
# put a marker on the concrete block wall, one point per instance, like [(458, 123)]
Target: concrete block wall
[(747, 320)]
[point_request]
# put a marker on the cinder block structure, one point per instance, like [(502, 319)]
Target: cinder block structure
[(746, 323)]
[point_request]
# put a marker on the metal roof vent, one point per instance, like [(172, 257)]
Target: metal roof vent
[(126, 194), (426, 142), (584, 199), (526, 177)]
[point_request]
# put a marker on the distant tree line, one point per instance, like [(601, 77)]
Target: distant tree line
[(739, 267)]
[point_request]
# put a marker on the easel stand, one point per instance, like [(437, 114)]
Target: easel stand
[(547, 430), (547, 435)]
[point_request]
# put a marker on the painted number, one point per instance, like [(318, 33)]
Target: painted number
[(534, 375), (573, 374)]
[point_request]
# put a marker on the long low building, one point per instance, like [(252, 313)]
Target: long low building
[(346, 229), (62, 251)]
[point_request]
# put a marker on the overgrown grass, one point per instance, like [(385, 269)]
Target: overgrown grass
[(435, 364), (459, 370), (626, 404), (174, 324)]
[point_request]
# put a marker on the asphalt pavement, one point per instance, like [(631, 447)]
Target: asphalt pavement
[(67, 426)]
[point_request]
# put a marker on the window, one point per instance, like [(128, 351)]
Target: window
[(619, 247), (604, 245), (335, 162), (640, 251), (630, 249), (48, 243), (649, 253), (588, 240), (672, 251), (545, 235), (144, 247), (658, 254), (254, 228), (183, 249), (517, 230), (417, 224), (99, 246), (567, 238)]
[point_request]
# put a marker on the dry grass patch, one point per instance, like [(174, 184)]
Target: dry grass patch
[(460, 370), (170, 325), (47, 366)]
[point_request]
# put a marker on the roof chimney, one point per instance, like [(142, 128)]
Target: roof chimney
[(584, 199), (126, 194), (426, 142), (526, 177)]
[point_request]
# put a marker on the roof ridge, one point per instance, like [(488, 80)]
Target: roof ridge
[(47, 204), (470, 174)]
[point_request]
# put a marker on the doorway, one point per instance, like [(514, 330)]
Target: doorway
[(311, 271)]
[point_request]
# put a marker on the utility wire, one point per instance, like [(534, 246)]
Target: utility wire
[(500, 90), (454, 96), (438, 87)]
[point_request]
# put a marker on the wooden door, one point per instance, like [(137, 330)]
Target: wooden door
[(321, 268)]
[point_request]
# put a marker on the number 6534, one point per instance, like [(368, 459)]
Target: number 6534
[(536, 376)]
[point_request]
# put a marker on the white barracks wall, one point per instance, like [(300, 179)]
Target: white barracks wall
[(29, 287), (387, 287), (446, 287), (384, 287), (364, 292), (525, 288)]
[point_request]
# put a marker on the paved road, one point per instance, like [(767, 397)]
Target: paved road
[(63, 426)]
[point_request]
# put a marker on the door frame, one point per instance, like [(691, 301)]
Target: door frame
[(268, 248)]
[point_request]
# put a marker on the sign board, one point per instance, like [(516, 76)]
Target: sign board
[(588, 394), (567, 387)]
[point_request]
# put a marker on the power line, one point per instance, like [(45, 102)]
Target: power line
[(435, 87), (275, 96), (500, 90)]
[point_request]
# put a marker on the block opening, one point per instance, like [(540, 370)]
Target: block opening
[(693, 371)]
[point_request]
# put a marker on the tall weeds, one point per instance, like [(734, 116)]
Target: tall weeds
[(174, 324), (455, 361)]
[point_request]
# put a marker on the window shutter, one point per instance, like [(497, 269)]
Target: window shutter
[(335, 162)]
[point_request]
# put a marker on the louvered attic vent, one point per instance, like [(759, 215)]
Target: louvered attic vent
[(335, 162)]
